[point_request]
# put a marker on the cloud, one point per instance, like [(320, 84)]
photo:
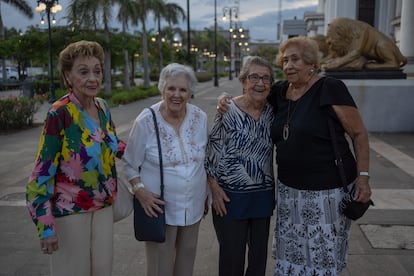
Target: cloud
[(260, 16)]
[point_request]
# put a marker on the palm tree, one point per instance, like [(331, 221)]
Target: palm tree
[(171, 13), (143, 8), (88, 13), (127, 12), (23, 7)]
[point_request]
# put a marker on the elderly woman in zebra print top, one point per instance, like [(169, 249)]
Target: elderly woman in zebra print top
[(240, 175)]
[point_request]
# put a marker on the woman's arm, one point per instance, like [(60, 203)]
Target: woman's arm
[(354, 127), (213, 155), (133, 157), (42, 180)]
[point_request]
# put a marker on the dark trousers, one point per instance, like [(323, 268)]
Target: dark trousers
[(233, 235)]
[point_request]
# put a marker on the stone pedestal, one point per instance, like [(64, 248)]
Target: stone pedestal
[(409, 67), (366, 74), (385, 105)]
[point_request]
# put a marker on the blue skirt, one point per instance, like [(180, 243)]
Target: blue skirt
[(311, 235)]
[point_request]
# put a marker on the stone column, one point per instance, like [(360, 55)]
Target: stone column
[(407, 35)]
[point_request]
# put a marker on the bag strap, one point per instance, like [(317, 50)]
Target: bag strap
[(159, 152), (338, 159)]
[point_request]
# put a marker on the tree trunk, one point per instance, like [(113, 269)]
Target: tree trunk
[(161, 62), (145, 54), (107, 81), (127, 82)]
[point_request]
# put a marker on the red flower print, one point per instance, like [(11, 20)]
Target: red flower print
[(83, 200)]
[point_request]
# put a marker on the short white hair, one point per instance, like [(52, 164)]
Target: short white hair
[(176, 69)]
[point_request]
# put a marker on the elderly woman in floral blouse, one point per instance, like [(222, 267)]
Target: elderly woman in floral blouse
[(73, 183), (183, 137)]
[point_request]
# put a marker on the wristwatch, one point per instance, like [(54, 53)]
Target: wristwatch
[(364, 174), (137, 186)]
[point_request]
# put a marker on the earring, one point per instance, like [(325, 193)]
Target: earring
[(311, 71)]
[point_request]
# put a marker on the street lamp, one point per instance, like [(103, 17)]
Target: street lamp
[(230, 11), (49, 6), (239, 37)]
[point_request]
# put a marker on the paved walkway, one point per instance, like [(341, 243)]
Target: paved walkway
[(382, 242)]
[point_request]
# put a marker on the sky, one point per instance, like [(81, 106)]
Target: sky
[(261, 17)]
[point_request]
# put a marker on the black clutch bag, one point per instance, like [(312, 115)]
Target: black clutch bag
[(148, 228), (353, 209)]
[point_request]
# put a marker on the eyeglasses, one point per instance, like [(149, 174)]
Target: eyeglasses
[(255, 78)]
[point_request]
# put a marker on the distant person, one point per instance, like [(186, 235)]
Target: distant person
[(183, 134), (73, 184), (240, 174)]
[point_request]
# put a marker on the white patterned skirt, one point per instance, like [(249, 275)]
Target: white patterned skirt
[(311, 235)]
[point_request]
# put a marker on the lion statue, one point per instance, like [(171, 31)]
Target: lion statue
[(355, 45)]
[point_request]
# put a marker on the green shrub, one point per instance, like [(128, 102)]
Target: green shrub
[(204, 76), (136, 93), (16, 113), (59, 93), (43, 86), (9, 84), (154, 74)]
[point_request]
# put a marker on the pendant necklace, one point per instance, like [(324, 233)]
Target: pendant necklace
[(288, 119), (289, 116)]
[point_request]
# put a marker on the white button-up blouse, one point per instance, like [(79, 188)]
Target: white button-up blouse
[(183, 153)]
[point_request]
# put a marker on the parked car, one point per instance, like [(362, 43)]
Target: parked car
[(11, 73)]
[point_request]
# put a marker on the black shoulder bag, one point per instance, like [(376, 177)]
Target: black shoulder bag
[(147, 228), (348, 206)]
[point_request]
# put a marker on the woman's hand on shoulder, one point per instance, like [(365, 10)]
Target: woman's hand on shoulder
[(223, 102)]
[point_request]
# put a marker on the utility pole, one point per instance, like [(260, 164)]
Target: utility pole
[(188, 35), (216, 84)]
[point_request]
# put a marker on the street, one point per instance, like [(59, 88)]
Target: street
[(392, 180)]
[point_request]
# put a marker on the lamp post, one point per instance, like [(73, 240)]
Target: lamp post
[(230, 11), (49, 6), (239, 36), (188, 34), (215, 45)]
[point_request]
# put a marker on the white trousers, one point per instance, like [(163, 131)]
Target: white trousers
[(85, 244)]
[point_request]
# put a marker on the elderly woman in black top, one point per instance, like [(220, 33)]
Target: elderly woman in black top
[(311, 235)]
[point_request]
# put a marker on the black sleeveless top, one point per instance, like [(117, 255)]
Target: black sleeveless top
[(306, 160)]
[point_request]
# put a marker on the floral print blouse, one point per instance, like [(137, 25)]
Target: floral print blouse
[(74, 169)]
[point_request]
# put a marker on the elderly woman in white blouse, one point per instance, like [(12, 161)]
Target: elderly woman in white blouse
[(183, 134)]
